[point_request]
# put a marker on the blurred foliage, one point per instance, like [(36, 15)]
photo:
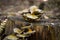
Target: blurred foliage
[(52, 4)]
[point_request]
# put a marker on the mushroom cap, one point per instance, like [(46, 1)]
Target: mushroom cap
[(12, 37), (31, 16), (33, 8), (17, 30)]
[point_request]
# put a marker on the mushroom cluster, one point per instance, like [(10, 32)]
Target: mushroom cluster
[(2, 26), (32, 14), (24, 32)]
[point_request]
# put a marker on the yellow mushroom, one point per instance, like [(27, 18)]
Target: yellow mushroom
[(12, 37), (17, 30)]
